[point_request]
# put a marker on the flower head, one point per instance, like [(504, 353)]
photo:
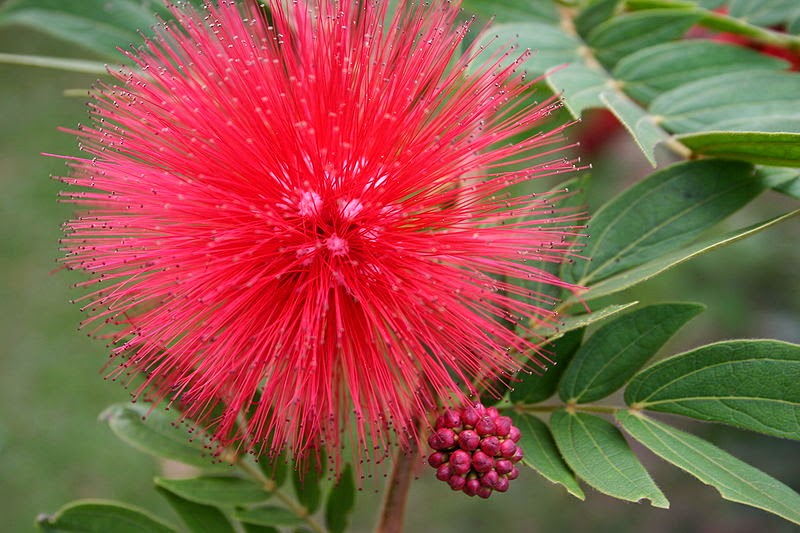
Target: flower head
[(299, 214)]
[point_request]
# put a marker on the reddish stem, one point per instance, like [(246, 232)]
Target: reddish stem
[(394, 505)]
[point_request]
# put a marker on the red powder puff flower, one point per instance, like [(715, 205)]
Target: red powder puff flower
[(297, 223)]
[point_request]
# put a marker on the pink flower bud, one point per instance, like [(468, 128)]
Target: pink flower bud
[(485, 426), (514, 434), (457, 482), (490, 445), (468, 440), (503, 466), (443, 439), (444, 472), (471, 487), (502, 426), (484, 491), (518, 455), (501, 485), (437, 459), (470, 416), (489, 478), (514, 474), (482, 462), (450, 419), (508, 448), (461, 461)]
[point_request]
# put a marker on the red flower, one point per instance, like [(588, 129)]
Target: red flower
[(301, 216)]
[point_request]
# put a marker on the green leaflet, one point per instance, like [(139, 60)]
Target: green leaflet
[(533, 388), (340, 502), (594, 15), (764, 12), (268, 516), (781, 149), (157, 433), (102, 516), (751, 384), (656, 69), (199, 518), (665, 262), (551, 47), (640, 124), (662, 213), (597, 453), (512, 10), (215, 490), (764, 100), (628, 33), (541, 453), (734, 479), (574, 322), (606, 361), (307, 483), (96, 25)]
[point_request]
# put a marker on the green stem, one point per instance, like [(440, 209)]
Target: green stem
[(549, 408), (269, 486), (59, 63)]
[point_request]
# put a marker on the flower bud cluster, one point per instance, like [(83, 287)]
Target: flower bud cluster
[(475, 450)]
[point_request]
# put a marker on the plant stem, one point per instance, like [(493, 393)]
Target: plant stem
[(393, 510), (59, 63), (269, 486), (533, 408)]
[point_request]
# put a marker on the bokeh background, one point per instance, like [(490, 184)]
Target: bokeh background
[(53, 449)]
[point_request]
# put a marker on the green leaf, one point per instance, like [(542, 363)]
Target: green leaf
[(533, 388), (597, 452), (268, 516), (791, 188), (97, 25), (574, 322), (793, 25), (719, 21), (215, 490), (620, 348), (198, 518), (541, 453), (101, 516), (276, 469), (594, 15), (651, 71), (734, 479), (663, 212), (551, 47), (253, 528), (341, 500), (513, 10), (156, 432), (581, 86), (764, 12), (576, 202), (640, 124), (751, 384), (307, 483), (652, 269), (628, 33), (764, 100), (781, 149)]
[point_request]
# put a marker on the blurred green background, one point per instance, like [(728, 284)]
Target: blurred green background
[(53, 449)]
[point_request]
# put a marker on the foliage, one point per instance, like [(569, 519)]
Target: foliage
[(713, 150)]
